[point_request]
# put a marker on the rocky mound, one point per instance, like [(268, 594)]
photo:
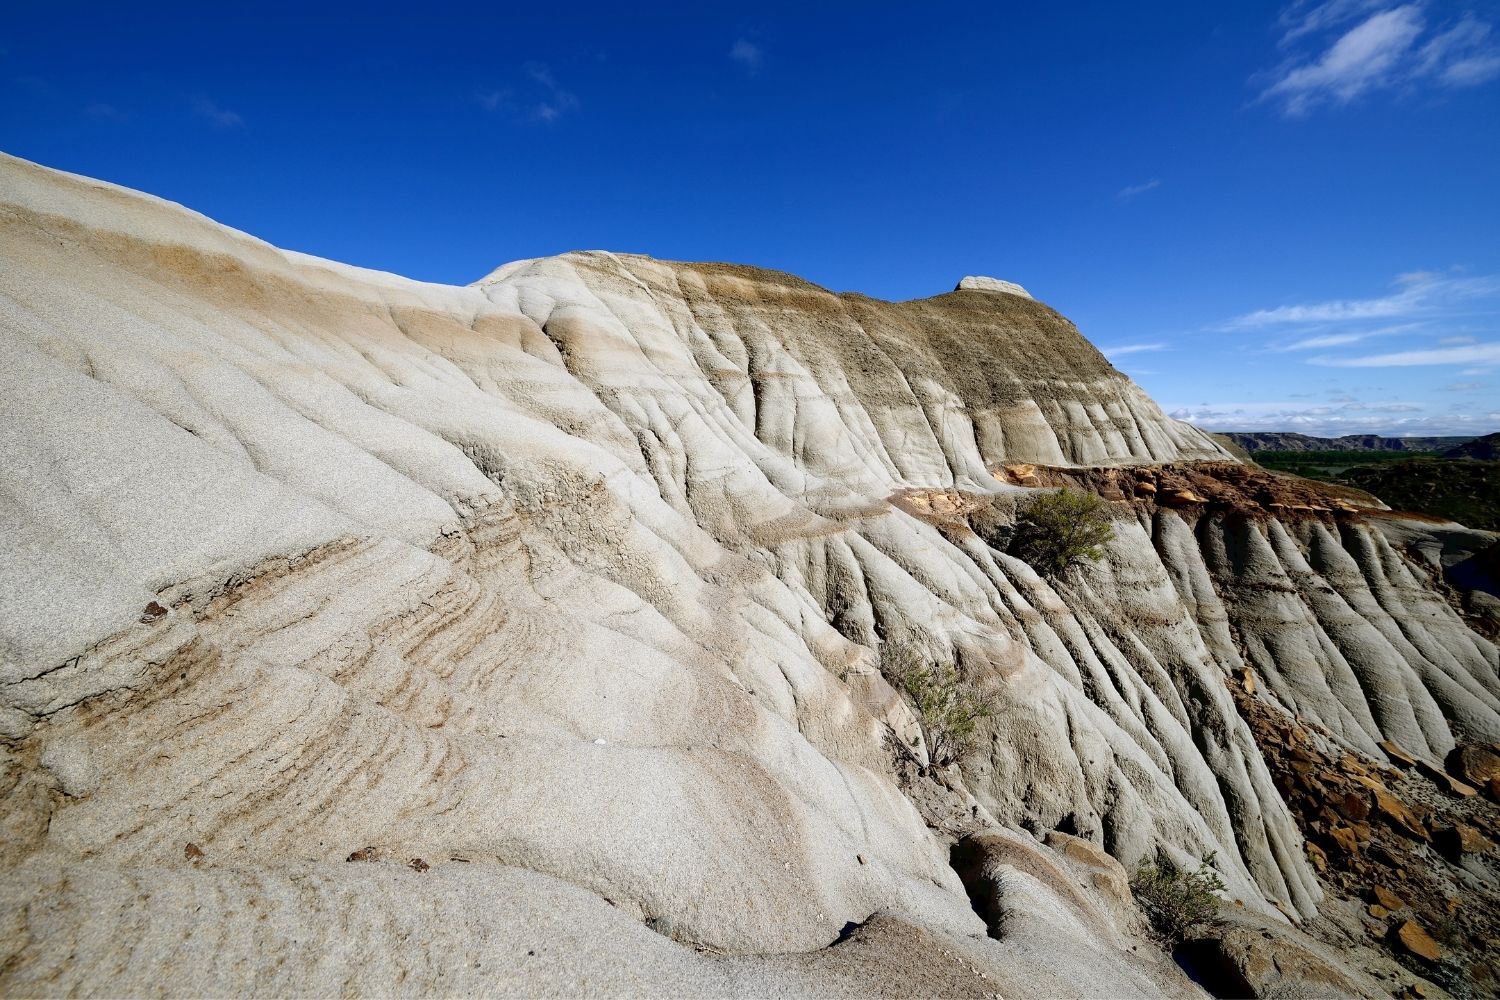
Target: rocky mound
[(1484, 449), (365, 635)]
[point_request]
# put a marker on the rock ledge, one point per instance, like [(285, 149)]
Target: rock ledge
[(981, 283)]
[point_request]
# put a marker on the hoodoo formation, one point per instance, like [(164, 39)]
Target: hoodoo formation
[(362, 635)]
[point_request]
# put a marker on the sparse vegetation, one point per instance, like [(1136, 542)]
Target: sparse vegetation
[(1060, 530), (948, 708), (1457, 489), (1177, 902), (1330, 466), (1462, 490)]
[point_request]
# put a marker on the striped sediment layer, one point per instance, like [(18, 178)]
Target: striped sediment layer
[(560, 602)]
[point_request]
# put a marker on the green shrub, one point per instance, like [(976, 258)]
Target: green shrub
[(948, 709), (1177, 902), (1059, 530)]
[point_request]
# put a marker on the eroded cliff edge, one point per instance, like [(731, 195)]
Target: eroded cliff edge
[(576, 583)]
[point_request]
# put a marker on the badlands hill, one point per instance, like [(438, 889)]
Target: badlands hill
[(361, 635), (1483, 449), (1254, 441)]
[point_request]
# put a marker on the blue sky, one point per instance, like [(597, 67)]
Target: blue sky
[(1273, 216)]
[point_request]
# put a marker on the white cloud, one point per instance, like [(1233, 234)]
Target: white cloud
[(216, 116), (1386, 49), (1472, 71), (1124, 349), (555, 101), (1419, 292), (1463, 387), (1390, 419), (1465, 355), (1462, 56), (494, 100), (1363, 58), (551, 111), (747, 54), (1342, 339), (1330, 340), (1458, 340), (1333, 311), (1305, 17), (542, 100), (1126, 193)]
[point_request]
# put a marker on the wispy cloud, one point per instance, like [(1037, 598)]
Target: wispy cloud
[(1463, 387), (1418, 293), (1466, 355), (1126, 193), (556, 101), (1463, 56), (1350, 417), (1342, 339), (1125, 349), (1363, 58), (747, 54), (540, 100), (216, 116), (107, 112), (1390, 47), (1306, 17), (495, 100), (1330, 340)]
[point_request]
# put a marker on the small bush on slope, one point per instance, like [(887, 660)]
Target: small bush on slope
[(1059, 530), (948, 708), (1177, 902)]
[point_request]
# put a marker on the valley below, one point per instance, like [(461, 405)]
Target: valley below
[(1435, 484)]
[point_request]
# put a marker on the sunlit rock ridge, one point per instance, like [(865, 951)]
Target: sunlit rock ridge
[(576, 584)]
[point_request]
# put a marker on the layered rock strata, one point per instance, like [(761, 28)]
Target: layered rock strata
[(576, 586)]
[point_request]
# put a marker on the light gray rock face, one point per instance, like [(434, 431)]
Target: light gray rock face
[(575, 584), (980, 283)]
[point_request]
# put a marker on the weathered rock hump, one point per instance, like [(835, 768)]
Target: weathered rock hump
[(982, 283), (558, 604), (938, 390)]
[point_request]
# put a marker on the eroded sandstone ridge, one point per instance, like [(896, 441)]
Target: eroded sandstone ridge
[(365, 635)]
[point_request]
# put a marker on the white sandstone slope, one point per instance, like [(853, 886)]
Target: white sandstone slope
[(575, 584)]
